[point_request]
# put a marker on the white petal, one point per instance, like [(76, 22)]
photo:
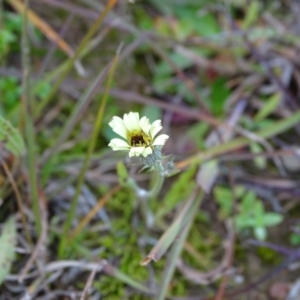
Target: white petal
[(147, 151), (118, 144), (160, 140), (136, 151), (155, 128), (145, 124), (117, 125), (131, 121)]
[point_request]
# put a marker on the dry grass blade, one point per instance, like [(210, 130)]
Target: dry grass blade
[(217, 137), (171, 233), (213, 275), (19, 199), (237, 143), (90, 150), (101, 202), (39, 250), (49, 32), (8, 241), (88, 285), (82, 46), (177, 248)]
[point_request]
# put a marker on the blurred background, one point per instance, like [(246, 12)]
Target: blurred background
[(224, 78)]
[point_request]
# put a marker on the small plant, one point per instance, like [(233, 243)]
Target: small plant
[(140, 140), (253, 215), (251, 212)]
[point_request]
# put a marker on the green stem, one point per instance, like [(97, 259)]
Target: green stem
[(91, 147), (158, 183), (29, 129), (144, 195)]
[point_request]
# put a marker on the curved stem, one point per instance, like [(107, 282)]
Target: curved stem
[(145, 195), (158, 183)]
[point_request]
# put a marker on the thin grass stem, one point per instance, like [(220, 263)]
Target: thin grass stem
[(91, 147), (239, 142), (29, 128), (72, 60), (176, 250)]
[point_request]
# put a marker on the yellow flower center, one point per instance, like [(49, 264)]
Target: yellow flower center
[(139, 139)]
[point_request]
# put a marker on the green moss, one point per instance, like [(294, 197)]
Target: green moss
[(121, 247), (268, 256)]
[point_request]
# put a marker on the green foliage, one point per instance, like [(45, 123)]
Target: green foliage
[(192, 22), (6, 38), (224, 198), (252, 13), (197, 133), (121, 245), (10, 91), (205, 242), (8, 241), (268, 255), (10, 35), (179, 191), (295, 239), (271, 104), (163, 80), (11, 137), (195, 27), (187, 22), (218, 96), (252, 215), (260, 161), (122, 172)]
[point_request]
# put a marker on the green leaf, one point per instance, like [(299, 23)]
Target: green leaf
[(192, 22), (260, 161), (268, 107), (8, 241), (247, 202), (164, 69), (259, 213), (122, 172), (225, 199), (181, 188), (272, 219), (295, 239), (11, 138), (243, 221), (197, 133), (6, 38), (218, 96), (208, 174), (253, 11), (260, 233), (239, 191), (206, 25)]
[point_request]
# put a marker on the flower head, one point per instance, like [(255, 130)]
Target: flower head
[(138, 134)]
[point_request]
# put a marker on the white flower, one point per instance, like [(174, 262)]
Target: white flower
[(138, 134)]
